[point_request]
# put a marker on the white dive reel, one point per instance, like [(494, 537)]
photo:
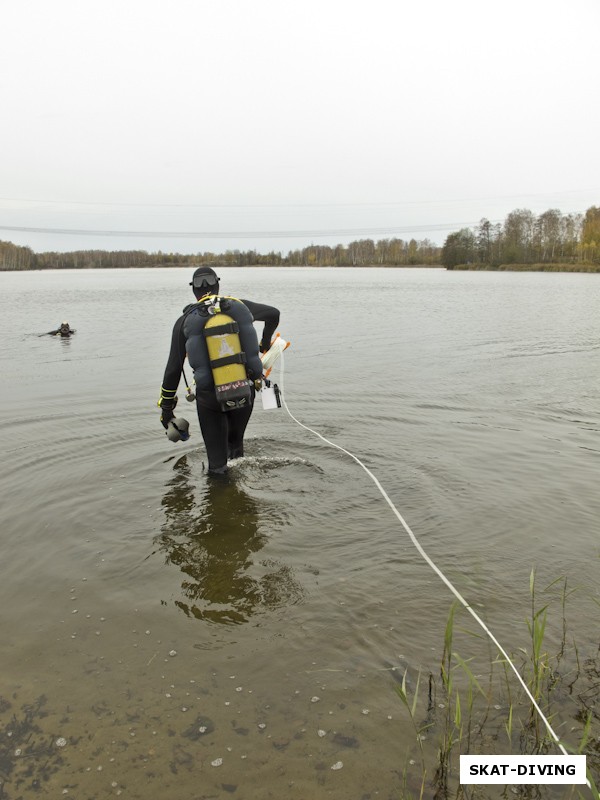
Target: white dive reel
[(270, 395)]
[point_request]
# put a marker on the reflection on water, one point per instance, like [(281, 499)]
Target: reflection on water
[(214, 543)]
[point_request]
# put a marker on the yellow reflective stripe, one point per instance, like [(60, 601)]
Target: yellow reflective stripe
[(220, 296), (165, 394)]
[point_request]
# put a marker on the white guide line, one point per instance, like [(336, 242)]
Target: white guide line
[(433, 566)]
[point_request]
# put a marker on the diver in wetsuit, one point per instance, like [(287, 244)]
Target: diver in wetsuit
[(64, 331), (222, 430)]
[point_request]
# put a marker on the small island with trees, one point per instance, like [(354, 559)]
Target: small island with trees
[(551, 241)]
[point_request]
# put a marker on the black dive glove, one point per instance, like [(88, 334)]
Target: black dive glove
[(166, 417), (167, 407)]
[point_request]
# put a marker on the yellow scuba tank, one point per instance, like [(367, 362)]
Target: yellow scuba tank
[(227, 360)]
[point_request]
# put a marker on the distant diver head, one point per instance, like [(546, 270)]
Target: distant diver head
[(205, 281), (64, 327)]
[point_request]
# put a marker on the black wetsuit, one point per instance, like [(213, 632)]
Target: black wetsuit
[(222, 431), (64, 332)]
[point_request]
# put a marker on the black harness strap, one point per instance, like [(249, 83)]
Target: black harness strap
[(219, 330), (238, 358)]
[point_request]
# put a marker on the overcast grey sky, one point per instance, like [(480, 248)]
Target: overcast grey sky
[(269, 124)]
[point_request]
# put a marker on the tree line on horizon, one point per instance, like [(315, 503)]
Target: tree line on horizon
[(361, 253), (523, 239), (549, 238)]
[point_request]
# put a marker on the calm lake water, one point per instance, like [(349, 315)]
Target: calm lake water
[(166, 636)]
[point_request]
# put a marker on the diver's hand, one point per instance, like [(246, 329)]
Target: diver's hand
[(166, 416), (167, 406)]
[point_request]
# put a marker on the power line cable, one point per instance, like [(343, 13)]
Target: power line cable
[(269, 234)]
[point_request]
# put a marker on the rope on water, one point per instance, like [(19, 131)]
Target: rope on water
[(433, 566)]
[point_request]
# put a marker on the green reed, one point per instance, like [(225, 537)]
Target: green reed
[(460, 715)]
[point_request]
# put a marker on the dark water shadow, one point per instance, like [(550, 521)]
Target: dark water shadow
[(214, 541)]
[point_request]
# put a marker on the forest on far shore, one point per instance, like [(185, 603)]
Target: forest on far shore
[(524, 239), (551, 240)]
